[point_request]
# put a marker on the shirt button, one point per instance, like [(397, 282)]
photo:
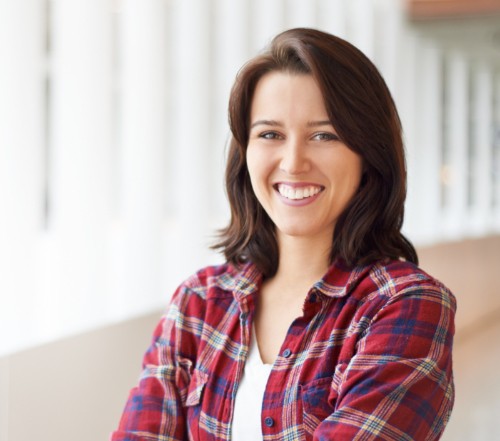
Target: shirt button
[(287, 353), (269, 422)]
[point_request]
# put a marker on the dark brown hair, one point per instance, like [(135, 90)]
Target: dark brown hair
[(363, 113)]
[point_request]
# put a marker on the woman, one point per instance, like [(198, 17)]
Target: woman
[(320, 325)]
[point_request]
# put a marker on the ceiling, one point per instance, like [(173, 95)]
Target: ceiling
[(472, 26)]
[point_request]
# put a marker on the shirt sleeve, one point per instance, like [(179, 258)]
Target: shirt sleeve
[(398, 385), (154, 409)]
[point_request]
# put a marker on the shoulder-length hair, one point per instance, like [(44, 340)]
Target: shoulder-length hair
[(364, 116)]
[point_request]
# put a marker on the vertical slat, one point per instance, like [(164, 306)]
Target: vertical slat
[(80, 166), (192, 133), (389, 42), (300, 13), (144, 134), (21, 165), (332, 17), (407, 93), (399, 55), (428, 139), (267, 19), (482, 148), (230, 51), (361, 16), (496, 156), (456, 153)]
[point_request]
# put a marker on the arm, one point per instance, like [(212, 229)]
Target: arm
[(154, 410), (398, 386)]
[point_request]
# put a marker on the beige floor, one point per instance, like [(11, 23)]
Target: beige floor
[(476, 416)]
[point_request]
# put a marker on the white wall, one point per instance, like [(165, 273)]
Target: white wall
[(73, 389)]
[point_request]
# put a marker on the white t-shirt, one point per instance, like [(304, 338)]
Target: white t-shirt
[(247, 424)]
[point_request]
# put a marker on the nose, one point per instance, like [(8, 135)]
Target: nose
[(294, 158)]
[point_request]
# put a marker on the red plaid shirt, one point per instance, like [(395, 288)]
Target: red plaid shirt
[(369, 359)]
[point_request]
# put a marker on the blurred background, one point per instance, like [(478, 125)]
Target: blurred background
[(113, 129)]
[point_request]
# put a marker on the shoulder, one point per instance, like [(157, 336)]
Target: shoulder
[(189, 303), (216, 281), (399, 278), (387, 282), (396, 308)]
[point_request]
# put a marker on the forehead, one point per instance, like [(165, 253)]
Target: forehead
[(287, 94)]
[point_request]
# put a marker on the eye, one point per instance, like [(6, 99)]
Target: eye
[(270, 135), (326, 136)]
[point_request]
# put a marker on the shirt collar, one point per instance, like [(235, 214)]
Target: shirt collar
[(340, 278), (242, 280), (338, 281)]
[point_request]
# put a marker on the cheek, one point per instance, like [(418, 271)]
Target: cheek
[(256, 166), (253, 171), (250, 158), (346, 182), (352, 185), (352, 173)]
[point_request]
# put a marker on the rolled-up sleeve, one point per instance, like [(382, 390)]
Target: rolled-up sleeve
[(399, 384), (154, 410)]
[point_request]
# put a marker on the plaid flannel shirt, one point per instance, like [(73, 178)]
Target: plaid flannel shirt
[(369, 359)]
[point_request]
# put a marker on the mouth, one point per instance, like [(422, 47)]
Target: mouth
[(298, 192)]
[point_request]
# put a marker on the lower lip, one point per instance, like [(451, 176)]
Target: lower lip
[(298, 202)]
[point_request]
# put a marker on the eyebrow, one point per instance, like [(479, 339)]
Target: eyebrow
[(266, 122), (319, 123), (271, 122)]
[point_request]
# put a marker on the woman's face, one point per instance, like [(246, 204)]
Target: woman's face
[(301, 173)]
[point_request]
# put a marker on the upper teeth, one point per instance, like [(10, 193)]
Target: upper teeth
[(298, 192)]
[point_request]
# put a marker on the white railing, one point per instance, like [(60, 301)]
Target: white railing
[(113, 132)]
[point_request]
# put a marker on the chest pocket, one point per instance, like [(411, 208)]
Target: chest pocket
[(318, 402)]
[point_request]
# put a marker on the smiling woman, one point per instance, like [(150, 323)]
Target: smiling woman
[(319, 325)]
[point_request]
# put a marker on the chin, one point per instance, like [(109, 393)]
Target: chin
[(299, 231)]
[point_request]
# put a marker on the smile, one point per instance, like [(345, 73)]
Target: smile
[(296, 193)]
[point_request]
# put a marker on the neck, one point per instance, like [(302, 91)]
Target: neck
[(303, 261)]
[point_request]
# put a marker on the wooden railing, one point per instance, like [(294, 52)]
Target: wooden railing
[(438, 9)]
